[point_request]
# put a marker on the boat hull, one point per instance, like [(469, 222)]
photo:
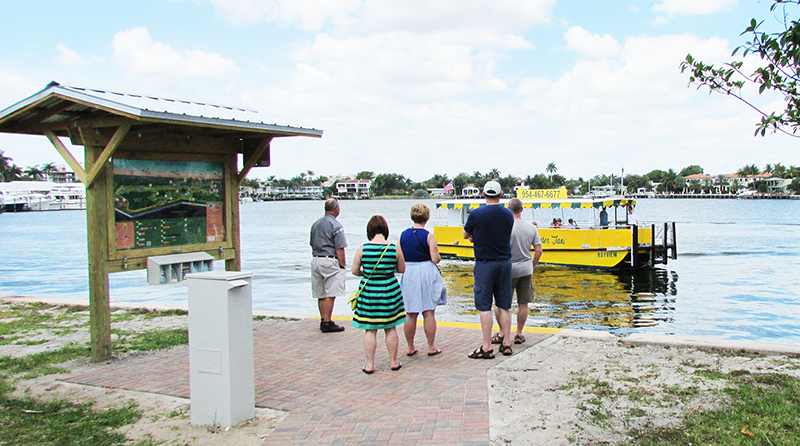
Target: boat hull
[(594, 248)]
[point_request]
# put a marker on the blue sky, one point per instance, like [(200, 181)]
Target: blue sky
[(416, 87)]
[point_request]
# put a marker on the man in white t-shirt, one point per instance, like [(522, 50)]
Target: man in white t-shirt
[(523, 236), (633, 219)]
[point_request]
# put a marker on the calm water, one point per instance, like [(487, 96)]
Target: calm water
[(737, 275)]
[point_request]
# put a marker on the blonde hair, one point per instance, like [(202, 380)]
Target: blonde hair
[(420, 213)]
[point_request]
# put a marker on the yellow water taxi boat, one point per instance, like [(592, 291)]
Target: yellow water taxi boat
[(616, 245)]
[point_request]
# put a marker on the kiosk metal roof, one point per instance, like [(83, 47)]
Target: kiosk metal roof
[(58, 107)]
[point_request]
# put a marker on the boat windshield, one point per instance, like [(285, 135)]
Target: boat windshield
[(585, 212)]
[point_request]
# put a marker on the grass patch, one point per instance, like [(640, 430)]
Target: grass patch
[(42, 363), (39, 342), (36, 316), (767, 404), (152, 314), (151, 340), (26, 421), (7, 340)]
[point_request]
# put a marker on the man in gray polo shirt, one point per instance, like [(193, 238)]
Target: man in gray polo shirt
[(328, 265), (523, 236)]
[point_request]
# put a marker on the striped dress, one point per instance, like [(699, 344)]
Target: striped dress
[(380, 304)]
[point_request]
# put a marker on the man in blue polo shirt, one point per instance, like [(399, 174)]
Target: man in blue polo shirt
[(489, 229)]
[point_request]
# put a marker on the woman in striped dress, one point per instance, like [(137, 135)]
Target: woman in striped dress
[(380, 303)]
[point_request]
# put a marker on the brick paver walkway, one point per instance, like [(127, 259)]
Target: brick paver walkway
[(317, 379)]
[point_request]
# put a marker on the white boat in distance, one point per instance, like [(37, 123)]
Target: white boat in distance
[(19, 196), (67, 196)]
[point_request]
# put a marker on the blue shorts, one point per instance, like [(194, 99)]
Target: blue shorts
[(493, 278)]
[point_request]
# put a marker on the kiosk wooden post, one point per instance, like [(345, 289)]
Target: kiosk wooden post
[(97, 244), (186, 150)]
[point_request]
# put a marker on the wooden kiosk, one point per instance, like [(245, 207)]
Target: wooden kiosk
[(162, 177)]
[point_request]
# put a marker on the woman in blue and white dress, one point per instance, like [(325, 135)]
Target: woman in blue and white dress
[(422, 285)]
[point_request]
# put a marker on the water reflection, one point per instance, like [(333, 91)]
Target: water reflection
[(616, 301)]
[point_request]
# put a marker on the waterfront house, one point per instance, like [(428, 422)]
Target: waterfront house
[(353, 188)]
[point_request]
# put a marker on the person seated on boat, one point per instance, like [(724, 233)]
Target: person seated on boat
[(603, 218), (556, 223), (571, 224), (633, 219)]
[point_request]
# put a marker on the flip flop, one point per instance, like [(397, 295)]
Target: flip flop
[(368, 372), (434, 353), (399, 366), (412, 353)]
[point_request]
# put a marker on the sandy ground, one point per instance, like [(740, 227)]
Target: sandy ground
[(588, 388), (575, 388)]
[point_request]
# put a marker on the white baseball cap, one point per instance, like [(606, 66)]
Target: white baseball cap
[(492, 189)]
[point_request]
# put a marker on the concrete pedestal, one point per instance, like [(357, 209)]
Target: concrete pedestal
[(221, 368)]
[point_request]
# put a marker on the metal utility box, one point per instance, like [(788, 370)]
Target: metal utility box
[(221, 367), (174, 267)]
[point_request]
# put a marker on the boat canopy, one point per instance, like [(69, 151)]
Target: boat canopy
[(577, 203)]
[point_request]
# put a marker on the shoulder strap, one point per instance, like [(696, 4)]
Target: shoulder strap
[(425, 247), (373, 269)]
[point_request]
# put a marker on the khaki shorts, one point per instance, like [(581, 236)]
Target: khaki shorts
[(524, 288), (327, 278)]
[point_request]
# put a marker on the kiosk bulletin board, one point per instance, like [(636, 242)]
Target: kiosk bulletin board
[(164, 204)]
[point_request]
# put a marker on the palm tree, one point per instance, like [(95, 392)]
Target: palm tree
[(34, 173), (551, 169), (722, 180), (670, 180), (494, 174), (11, 173), (5, 163), (528, 181), (749, 169)]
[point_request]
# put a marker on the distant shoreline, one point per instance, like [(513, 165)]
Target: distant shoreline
[(637, 196)]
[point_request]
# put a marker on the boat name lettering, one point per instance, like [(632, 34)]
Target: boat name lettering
[(606, 254), (554, 240)]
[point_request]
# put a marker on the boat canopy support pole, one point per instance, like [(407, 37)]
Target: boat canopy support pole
[(653, 245), (674, 243), (634, 246)]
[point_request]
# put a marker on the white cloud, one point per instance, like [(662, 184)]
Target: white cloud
[(630, 106), (135, 51), (592, 45), (306, 14), (378, 16), (403, 66), (693, 7), (67, 56), (499, 16)]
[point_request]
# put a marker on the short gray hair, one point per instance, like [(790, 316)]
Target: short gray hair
[(515, 205), (331, 204)]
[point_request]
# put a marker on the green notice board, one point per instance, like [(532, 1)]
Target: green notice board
[(161, 203)]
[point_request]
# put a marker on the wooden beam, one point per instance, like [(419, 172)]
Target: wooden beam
[(112, 145), (251, 161), (73, 163), (231, 179), (37, 117)]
